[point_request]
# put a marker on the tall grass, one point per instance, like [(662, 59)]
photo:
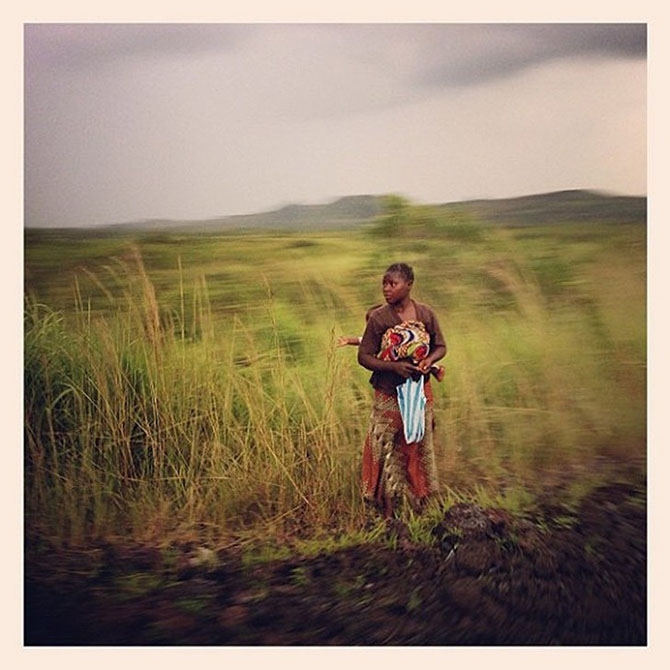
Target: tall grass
[(134, 427), (161, 404)]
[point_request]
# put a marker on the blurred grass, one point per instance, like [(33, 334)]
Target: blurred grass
[(180, 384)]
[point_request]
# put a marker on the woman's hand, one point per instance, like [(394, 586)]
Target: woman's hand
[(424, 366), (405, 369)]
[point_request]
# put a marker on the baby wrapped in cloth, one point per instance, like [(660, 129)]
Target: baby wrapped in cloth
[(409, 341)]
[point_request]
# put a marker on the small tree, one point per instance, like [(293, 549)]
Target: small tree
[(396, 216)]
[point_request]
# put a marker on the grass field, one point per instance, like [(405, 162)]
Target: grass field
[(189, 385)]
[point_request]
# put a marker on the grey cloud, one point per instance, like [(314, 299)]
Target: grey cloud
[(241, 116), (473, 54), (458, 50), (83, 45)]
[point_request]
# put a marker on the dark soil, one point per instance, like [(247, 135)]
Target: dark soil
[(560, 578)]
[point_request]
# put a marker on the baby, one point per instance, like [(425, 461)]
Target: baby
[(436, 370)]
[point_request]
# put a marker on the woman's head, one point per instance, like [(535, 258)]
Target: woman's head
[(402, 269), (397, 283)]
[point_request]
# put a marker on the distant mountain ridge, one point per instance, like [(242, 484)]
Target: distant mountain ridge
[(346, 211), (571, 206), (352, 211)]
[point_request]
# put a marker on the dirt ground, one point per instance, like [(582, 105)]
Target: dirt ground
[(560, 578)]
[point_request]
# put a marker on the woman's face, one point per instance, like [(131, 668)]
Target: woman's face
[(395, 288)]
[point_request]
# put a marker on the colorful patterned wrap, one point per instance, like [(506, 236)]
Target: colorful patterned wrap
[(407, 340)]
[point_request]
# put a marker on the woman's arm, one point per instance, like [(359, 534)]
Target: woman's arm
[(439, 352), (438, 342), (403, 368)]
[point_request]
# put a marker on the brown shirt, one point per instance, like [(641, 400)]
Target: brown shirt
[(379, 321)]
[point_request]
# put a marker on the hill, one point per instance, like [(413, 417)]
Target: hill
[(343, 213), (572, 206), (558, 207)]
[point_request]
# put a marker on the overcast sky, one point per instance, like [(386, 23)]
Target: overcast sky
[(141, 121)]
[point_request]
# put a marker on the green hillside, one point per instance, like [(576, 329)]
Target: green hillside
[(574, 206)]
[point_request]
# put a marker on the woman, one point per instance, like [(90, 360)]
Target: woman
[(401, 342)]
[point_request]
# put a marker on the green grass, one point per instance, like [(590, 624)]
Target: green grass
[(190, 386)]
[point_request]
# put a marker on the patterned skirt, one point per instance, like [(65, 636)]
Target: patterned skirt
[(392, 468)]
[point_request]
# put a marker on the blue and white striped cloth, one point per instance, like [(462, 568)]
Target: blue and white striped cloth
[(412, 404)]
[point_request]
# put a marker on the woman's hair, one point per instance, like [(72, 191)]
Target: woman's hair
[(403, 270)]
